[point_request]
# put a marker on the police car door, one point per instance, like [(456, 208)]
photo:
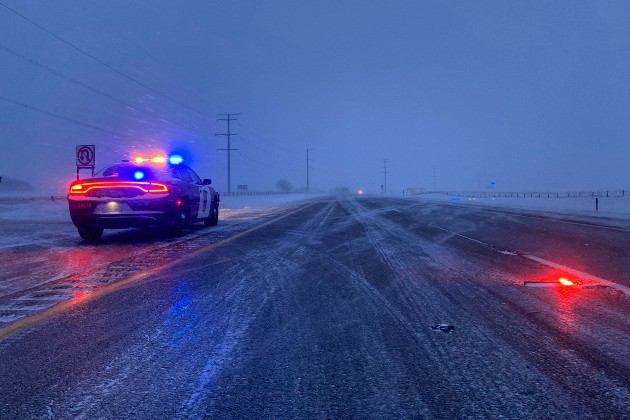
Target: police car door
[(205, 196)]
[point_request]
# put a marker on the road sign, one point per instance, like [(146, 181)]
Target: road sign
[(86, 155)]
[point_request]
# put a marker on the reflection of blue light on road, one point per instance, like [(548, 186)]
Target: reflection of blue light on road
[(181, 317), (455, 198)]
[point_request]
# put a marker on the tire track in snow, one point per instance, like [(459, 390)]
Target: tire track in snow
[(438, 297), (515, 331), (241, 304)]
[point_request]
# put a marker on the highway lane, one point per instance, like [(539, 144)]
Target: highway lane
[(38, 250), (326, 312)]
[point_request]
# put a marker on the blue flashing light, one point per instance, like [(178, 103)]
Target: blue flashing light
[(138, 175), (175, 159)]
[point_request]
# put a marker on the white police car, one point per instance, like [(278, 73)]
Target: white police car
[(142, 192)]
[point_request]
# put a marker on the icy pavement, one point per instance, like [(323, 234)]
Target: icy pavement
[(39, 243), (343, 309)]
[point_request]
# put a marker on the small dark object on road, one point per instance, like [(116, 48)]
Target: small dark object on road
[(446, 328)]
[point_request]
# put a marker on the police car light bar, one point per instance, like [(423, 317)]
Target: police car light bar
[(175, 159), (157, 159), (172, 159)]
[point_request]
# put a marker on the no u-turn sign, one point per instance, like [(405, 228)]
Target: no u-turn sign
[(86, 155)]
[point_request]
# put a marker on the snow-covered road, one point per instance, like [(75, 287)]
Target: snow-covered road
[(39, 244), (325, 309)]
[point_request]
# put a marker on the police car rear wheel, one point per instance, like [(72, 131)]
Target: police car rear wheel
[(179, 222), (90, 233)]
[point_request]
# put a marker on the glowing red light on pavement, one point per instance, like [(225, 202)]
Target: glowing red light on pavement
[(178, 202), (565, 282)]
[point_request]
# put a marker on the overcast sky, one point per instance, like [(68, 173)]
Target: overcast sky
[(533, 95)]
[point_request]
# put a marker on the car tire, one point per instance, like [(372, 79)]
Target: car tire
[(90, 233), (213, 219), (179, 222)]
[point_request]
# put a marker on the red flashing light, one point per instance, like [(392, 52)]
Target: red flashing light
[(178, 203), (565, 282), (147, 187)]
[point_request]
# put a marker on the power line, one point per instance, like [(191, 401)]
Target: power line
[(82, 84), (385, 161), (98, 60), (229, 149), (308, 184), (61, 117), (269, 141)]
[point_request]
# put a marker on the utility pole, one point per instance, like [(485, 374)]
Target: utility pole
[(308, 185), (385, 174), (434, 188), (228, 118)]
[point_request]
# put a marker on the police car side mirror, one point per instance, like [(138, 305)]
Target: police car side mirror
[(207, 181)]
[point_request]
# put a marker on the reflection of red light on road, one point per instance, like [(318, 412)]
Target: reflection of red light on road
[(79, 297), (565, 282)]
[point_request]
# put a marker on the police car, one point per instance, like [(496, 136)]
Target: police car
[(145, 191)]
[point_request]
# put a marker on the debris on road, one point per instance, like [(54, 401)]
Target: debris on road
[(445, 328)]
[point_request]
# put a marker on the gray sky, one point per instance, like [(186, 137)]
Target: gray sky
[(533, 95)]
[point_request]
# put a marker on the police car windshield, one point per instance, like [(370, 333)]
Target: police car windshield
[(133, 172)]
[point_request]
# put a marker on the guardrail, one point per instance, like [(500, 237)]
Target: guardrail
[(247, 193), (577, 194)]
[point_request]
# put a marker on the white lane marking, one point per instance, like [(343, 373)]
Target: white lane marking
[(504, 252), (578, 273), (581, 274), (507, 253)]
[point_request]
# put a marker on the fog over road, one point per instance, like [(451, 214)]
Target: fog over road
[(323, 309)]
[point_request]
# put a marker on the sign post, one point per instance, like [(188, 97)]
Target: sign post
[(86, 157)]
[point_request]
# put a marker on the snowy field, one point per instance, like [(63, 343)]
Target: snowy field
[(610, 208)]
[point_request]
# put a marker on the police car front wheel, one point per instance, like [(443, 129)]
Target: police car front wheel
[(213, 219)]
